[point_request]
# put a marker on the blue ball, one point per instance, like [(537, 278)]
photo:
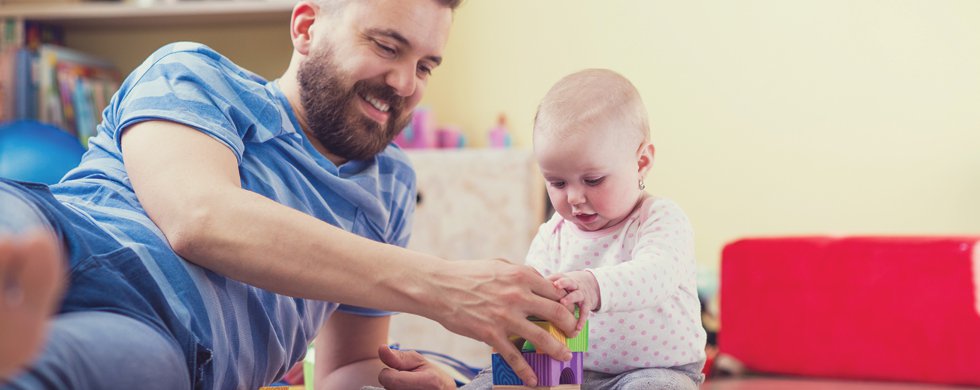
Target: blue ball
[(36, 152)]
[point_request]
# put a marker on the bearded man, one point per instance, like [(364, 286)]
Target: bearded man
[(219, 222)]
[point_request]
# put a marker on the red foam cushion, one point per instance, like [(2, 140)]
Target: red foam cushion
[(886, 308)]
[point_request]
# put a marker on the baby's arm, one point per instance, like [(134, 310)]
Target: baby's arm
[(662, 262), (583, 291)]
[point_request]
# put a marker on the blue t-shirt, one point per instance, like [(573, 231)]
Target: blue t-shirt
[(252, 335)]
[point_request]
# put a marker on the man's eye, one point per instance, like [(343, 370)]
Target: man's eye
[(424, 70), (385, 48)]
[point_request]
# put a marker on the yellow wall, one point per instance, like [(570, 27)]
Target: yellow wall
[(263, 48), (771, 117)]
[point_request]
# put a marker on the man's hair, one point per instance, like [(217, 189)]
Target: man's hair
[(334, 4), (589, 99)]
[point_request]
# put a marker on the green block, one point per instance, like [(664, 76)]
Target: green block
[(580, 343)]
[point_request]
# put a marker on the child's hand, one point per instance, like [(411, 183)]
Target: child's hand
[(583, 290)]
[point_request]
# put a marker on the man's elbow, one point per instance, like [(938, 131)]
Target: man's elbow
[(190, 232)]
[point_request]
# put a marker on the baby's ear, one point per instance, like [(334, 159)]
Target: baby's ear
[(645, 158)]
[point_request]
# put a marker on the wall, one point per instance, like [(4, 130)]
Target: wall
[(771, 117), (263, 48)]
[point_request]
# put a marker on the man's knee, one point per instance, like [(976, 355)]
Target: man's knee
[(100, 350), (17, 214)]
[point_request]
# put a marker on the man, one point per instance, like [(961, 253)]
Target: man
[(217, 216)]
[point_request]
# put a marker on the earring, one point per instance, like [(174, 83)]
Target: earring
[(642, 186)]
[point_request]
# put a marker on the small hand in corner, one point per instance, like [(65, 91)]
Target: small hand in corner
[(409, 370), (583, 291)]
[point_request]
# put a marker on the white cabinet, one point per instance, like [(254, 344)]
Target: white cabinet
[(474, 204)]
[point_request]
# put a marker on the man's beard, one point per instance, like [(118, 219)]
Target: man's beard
[(332, 113)]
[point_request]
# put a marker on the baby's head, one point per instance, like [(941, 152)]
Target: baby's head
[(591, 140)]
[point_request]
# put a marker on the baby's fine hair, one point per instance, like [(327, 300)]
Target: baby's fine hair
[(590, 98), (334, 4)]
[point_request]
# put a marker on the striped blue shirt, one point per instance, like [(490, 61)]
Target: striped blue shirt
[(252, 335)]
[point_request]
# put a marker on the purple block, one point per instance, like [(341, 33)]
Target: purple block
[(551, 372)]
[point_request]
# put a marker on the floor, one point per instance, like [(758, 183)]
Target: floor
[(783, 383)]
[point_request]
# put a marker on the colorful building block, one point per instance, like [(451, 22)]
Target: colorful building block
[(502, 373), (579, 343), (551, 372), (559, 387)]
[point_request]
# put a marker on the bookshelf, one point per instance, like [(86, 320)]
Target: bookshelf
[(121, 34), (252, 33), (118, 14)]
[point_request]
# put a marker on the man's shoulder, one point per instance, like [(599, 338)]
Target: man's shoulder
[(198, 60)]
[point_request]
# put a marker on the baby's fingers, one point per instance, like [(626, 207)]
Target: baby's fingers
[(567, 284), (573, 298), (583, 316)]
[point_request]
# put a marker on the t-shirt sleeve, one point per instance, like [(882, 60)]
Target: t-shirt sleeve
[(192, 88), (662, 259)]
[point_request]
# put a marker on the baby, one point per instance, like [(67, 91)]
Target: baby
[(622, 255)]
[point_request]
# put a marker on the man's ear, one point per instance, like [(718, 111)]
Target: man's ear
[(301, 26), (645, 158)]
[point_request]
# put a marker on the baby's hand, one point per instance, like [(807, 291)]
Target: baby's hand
[(583, 290)]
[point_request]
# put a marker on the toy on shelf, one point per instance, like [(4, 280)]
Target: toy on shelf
[(500, 135), (450, 137), (419, 134), (551, 373)]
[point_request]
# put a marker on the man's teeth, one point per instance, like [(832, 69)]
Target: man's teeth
[(381, 106)]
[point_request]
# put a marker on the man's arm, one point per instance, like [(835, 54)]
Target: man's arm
[(189, 185), (347, 351)]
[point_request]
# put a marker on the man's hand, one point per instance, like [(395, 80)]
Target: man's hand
[(490, 300), (409, 370), (582, 289), (31, 284)]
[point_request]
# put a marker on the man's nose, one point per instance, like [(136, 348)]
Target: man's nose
[(402, 79)]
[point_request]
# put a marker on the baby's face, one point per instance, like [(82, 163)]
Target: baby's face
[(592, 180)]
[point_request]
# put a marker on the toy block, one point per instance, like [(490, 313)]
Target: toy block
[(551, 372), (579, 343), (559, 387), (502, 373), (552, 330)]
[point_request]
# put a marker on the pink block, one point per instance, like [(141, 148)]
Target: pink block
[(886, 308)]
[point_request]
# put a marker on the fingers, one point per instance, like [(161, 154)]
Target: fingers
[(393, 379), (543, 341), (400, 360), (567, 284), (516, 361), (41, 272), (583, 316), (543, 287), (408, 370)]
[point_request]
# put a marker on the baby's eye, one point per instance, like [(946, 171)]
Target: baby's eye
[(558, 184), (594, 182)]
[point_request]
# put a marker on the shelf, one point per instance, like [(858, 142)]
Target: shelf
[(109, 15)]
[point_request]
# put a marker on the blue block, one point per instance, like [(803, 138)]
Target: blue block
[(502, 373)]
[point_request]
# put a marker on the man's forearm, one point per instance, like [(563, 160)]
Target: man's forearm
[(250, 238)]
